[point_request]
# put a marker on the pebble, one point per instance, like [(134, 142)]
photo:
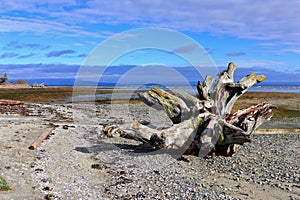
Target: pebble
[(267, 162), (177, 179)]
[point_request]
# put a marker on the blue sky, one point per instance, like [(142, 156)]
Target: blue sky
[(36, 35)]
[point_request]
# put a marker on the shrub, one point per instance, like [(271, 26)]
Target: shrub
[(21, 81)]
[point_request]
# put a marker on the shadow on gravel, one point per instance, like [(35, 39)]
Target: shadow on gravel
[(131, 149), (96, 148)]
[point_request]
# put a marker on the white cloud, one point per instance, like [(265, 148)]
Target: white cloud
[(292, 50), (186, 49), (21, 24), (247, 19), (269, 64), (33, 5), (251, 19)]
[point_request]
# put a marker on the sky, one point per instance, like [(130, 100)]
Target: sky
[(52, 39)]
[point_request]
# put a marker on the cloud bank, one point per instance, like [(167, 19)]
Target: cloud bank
[(251, 19), (8, 55), (60, 53), (14, 45)]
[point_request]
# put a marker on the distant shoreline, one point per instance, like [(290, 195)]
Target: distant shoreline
[(187, 88), (287, 114)]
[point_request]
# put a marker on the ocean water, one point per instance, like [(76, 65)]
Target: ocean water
[(192, 89), (293, 87), (285, 87), (126, 95), (276, 88)]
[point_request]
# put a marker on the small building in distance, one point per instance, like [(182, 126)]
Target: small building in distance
[(36, 85)]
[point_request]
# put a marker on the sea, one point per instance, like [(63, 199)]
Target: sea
[(274, 87), (283, 87), (287, 87)]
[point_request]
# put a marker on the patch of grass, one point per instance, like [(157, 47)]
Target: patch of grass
[(284, 102), (50, 196), (283, 112), (237, 107), (50, 93), (268, 95), (36, 94), (119, 101), (3, 184), (61, 93), (280, 112)]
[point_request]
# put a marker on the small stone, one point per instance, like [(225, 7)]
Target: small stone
[(47, 188), (65, 127)]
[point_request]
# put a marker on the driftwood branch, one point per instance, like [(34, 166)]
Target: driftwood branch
[(201, 125), (40, 139), (204, 89), (10, 102)]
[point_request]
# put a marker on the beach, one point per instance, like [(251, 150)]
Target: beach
[(149, 100), (78, 162)]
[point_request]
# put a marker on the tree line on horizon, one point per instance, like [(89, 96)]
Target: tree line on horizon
[(4, 80)]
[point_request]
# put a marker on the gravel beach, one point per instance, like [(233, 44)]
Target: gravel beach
[(78, 162)]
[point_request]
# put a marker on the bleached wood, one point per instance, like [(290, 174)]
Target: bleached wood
[(201, 125)]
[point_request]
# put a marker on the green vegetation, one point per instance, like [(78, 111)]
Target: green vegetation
[(284, 109), (3, 79), (119, 101), (21, 82), (266, 96), (35, 94), (283, 112), (283, 100), (50, 196), (280, 112), (3, 184), (46, 94)]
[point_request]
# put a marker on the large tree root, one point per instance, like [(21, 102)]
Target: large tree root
[(202, 125)]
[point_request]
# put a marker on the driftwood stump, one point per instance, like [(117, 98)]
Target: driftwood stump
[(204, 125)]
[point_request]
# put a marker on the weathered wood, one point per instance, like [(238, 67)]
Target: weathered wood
[(204, 90), (10, 102), (203, 125), (40, 139), (172, 105)]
